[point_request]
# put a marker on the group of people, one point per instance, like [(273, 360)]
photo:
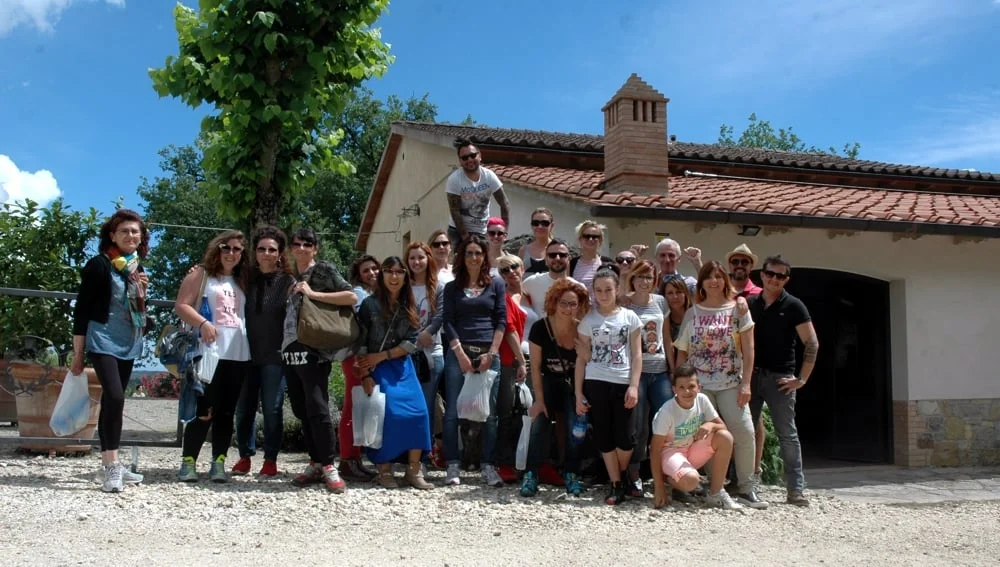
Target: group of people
[(645, 363)]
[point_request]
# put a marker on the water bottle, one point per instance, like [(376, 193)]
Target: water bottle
[(579, 428)]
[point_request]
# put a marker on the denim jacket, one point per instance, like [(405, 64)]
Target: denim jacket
[(374, 328)]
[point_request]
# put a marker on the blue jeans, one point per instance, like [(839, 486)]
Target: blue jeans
[(454, 379), (541, 428), (265, 383), (654, 391), (764, 389), (430, 387)]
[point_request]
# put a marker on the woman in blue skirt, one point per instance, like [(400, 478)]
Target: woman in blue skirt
[(388, 321)]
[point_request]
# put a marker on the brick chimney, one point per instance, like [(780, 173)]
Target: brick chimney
[(635, 139)]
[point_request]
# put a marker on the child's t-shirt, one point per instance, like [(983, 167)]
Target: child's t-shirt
[(678, 425), (610, 351)]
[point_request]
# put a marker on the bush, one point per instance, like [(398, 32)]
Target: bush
[(772, 468), (336, 386), (160, 385)]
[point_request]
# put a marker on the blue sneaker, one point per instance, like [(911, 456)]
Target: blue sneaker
[(218, 471), (188, 472), (573, 485), (529, 484)]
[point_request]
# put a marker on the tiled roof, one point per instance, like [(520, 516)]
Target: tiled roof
[(710, 193), (682, 150)]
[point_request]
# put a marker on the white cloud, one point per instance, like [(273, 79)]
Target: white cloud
[(41, 14), (16, 185), (962, 132)]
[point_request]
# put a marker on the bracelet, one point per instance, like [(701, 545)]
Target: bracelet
[(457, 346), (202, 324)]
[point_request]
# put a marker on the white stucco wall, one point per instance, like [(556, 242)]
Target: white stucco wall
[(943, 312)]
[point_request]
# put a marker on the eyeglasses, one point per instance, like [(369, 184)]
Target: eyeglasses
[(559, 255), (776, 275), (468, 156), (568, 304), (473, 254), (441, 244), (508, 269), (739, 262), (590, 236), (395, 273), (624, 259), (496, 233), (304, 245), (542, 223), (265, 250), (227, 249)]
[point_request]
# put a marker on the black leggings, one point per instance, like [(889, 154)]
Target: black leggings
[(614, 425), (219, 401), (309, 396), (114, 374)]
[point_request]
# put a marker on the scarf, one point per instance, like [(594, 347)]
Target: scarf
[(135, 290)]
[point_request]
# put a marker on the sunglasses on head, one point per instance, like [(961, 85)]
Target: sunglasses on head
[(468, 156), (776, 275), (305, 245), (739, 262), (624, 259), (508, 269), (542, 223), (495, 233), (555, 255), (227, 249)]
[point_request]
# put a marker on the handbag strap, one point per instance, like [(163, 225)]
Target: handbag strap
[(390, 329), (559, 351)]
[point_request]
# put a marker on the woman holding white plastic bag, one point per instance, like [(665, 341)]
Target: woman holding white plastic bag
[(388, 322), (222, 326), (475, 319), (108, 323)]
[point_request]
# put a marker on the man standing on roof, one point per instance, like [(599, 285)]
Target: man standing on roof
[(741, 262), (469, 189)]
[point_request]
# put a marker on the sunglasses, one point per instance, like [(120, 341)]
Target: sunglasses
[(305, 245), (542, 223), (468, 156), (227, 249), (772, 274), (441, 244), (265, 250), (624, 259), (496, 233), (739, 262), (591, 236), (559, 255), (506, 270)]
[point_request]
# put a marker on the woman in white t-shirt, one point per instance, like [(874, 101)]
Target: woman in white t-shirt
[(428, 298), (607, 377), (717, 339), (220, 320)]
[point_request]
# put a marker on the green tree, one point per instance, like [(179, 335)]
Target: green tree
[(44, 249), (760, 134), (273, 70)]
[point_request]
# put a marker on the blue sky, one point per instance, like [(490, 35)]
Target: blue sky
[(914, 81)]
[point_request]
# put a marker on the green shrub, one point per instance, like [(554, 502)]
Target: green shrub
[(336, 386), (772, 468)]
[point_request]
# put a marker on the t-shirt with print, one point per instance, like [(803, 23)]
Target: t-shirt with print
[(227, 303), (476, 195), (654, 358), (710, 337), (558, 365), (610, 355), (679, 425), (424, 313)]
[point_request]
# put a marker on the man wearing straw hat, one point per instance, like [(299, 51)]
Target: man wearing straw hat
[(741, 262)]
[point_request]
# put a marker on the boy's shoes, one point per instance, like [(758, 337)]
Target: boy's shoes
[(796, 498), (722, 499)]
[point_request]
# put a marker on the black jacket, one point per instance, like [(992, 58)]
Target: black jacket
[(94, 299)]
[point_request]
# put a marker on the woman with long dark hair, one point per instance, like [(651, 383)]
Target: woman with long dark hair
[(222, 278), (475, 319), (428, 295), (389, 323), (109, 319), (269, 282)]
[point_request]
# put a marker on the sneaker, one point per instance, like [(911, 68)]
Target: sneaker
[(269, 470), (241, 467), (722, 499), (451, 477), (573, 485), (750, 500), (437, 458), (354, 469), (490, 476), (218, 471), (113, 478), (334, 483), (796, 498), (547, 474), (529, 484), (129, 477), (616, 494), (188, 472), (507, 473), (312, 474), (633, 488)]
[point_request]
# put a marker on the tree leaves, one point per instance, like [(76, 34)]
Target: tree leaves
[(760, 134)]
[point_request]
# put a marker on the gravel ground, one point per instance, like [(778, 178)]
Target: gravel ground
[(54, 514)]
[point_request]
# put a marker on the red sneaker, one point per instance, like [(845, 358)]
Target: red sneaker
[(241, 467), (547, 474), (334, 483), (269, 470), (507, 473), (437, 458), (312, 474)]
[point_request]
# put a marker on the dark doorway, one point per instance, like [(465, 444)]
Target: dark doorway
[(845, 413)]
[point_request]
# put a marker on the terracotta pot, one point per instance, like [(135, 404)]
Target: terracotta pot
[(37, 389)]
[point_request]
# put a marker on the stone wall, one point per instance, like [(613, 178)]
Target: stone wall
[(947, 432)]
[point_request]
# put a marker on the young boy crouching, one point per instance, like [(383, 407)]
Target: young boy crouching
[(687, 433)]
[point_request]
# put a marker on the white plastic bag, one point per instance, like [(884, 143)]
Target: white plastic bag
[(72, 409), (474, 399), (368, 417), (521, 456), (205, 367)]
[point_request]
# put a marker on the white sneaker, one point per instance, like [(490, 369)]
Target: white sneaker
[(491, 477), (129, 477), (451, 477), (722, 499), (113, 478)]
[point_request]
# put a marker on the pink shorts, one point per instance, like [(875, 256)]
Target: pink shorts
[(678, 462)]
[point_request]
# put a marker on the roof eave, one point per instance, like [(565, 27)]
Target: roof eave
[(385, 166)]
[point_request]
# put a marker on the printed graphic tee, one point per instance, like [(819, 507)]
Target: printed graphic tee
[(610, 355), (654, 358), (711, 339), (227, 302), (679, 424), (475, 195)]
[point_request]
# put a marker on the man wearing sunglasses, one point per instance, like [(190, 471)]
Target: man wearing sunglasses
[(741, 262), (779, 318), (469, 190), (557, 261)]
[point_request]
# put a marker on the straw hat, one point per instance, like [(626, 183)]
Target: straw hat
[(742, 250)]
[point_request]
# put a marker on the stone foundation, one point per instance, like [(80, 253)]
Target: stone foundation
[(946, 433)]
